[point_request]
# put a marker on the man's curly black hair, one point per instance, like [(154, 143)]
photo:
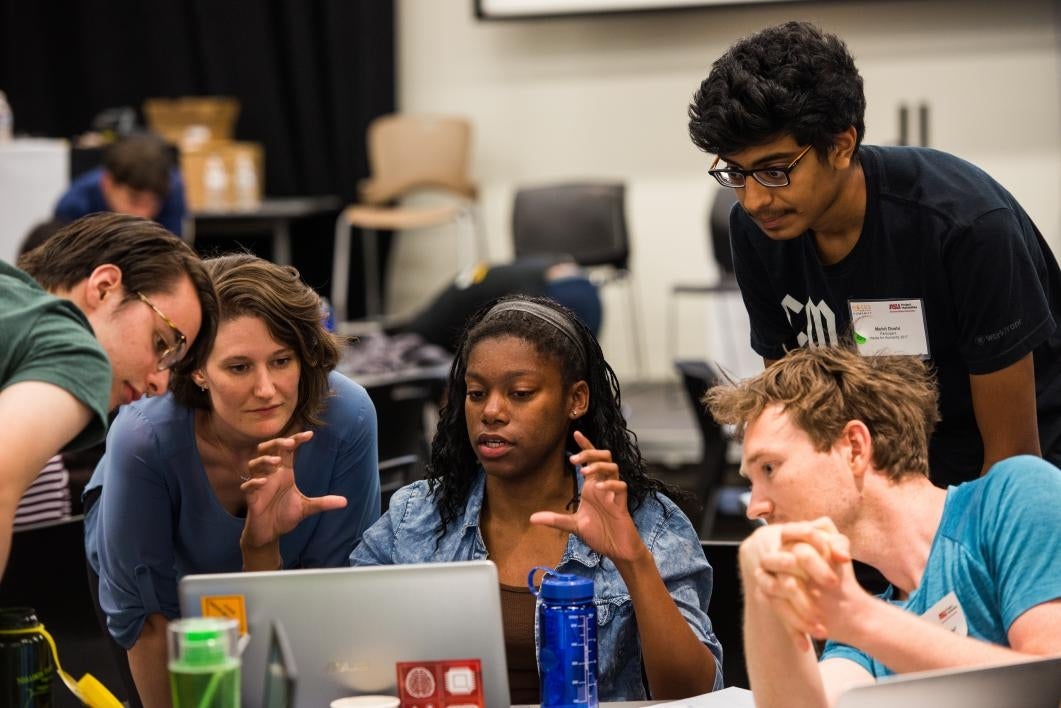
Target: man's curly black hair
[(788, 79), (453, 466)]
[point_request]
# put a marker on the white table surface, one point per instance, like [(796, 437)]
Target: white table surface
[(726, 698)]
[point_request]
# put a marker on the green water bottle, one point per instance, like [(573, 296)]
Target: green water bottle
[(204, 662)]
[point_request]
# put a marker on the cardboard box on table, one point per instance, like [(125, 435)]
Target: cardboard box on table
[(219, 173), (192, 119), (234, 193)]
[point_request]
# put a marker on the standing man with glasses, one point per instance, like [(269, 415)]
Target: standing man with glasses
[(897, 250), (96, 317)]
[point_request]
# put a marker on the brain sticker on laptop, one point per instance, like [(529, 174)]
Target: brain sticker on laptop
[(452, 683)]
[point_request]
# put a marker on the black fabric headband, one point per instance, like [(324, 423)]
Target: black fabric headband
[(548, 315)]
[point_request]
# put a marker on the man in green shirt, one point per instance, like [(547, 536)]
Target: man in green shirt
[(95, 318)]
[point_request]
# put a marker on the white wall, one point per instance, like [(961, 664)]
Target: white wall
[(606, 97)]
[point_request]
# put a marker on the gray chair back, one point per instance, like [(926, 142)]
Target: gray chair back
[(727, 608), (697, 377), (586, 221)]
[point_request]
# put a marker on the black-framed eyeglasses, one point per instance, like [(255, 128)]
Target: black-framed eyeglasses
[(735, 178), (168, 354)]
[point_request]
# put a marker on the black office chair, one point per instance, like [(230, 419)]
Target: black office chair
[(697, 378), (586, 221), (727, 608), (718, 244), (402, 407), (395, 473)]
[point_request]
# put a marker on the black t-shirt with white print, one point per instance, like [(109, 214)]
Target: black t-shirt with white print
[(936, 229)]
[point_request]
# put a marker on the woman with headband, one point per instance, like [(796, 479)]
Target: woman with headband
[(533, 465)]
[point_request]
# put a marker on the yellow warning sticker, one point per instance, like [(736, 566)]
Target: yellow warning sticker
[(227, 606)]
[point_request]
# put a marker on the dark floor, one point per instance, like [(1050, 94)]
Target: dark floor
[(661, 416)]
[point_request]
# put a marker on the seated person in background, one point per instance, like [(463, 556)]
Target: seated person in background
[(212, 477), (528, 387), (826, 226), (836, 448), (137, 177), (81, 332)]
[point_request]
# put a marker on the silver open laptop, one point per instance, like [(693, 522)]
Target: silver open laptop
[(1033, 684), (348, 627)]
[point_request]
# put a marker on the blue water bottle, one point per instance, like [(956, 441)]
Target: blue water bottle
[(567, 640), (327, 314)]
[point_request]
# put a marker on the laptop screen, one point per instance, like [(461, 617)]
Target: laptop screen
[(348, 628), (1029, 684)]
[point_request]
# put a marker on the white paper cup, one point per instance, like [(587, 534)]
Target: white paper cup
[(366, 702)]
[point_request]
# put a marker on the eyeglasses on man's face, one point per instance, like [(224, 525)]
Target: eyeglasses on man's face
[(168, 354), (767, 176)]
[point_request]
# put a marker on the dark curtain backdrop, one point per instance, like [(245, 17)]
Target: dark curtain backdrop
[(309, 75)]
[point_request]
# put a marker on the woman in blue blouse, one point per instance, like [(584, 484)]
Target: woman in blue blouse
[(530, 385), (231, 469)]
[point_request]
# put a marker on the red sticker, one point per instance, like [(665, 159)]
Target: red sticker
[(453, 683)]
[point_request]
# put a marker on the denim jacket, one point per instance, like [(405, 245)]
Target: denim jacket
[(407, 534)]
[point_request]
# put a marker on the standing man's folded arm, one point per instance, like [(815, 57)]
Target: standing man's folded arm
[(1004, 405)]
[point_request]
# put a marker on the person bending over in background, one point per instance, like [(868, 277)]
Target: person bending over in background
[(213, 476), (432, 335), (137, 177), (827, 228), (82, 331), (558, 278), (529, 386), (836, 449)]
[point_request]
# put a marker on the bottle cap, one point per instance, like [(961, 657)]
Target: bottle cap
[(18, 618), (202, 642), (562, 586)]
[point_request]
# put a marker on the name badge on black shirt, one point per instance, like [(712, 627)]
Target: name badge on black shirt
[(889, 327)]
